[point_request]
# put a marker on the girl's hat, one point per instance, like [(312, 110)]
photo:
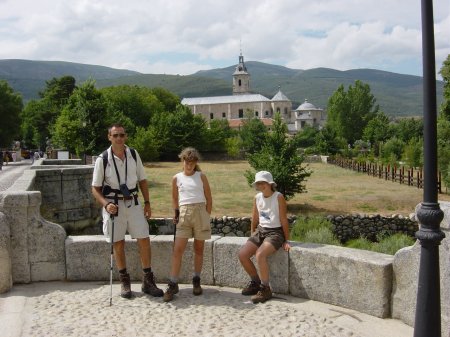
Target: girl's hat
[(264, 176)]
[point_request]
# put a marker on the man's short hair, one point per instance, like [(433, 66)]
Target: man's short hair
[(115, 125)]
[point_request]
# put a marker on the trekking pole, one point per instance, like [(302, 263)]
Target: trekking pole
[(111, 266)]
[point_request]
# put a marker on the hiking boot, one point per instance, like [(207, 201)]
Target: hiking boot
[(149, 285), (197, 290), (251, 288), (172, 289), (125, 285), (264, 294)]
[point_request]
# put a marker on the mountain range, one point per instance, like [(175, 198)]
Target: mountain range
[(398, 95)]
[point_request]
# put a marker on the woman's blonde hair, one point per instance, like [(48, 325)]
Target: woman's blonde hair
[(190, 154)]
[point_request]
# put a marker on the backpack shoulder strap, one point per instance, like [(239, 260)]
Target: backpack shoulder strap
[(133, 153)]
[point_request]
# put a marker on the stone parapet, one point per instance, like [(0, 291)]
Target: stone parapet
[(37, 246), (228, 270), (406, 275), (88, 259), (350, 278), (354, 279), (5, 255)]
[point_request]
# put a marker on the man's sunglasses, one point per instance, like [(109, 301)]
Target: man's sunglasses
[(115, 135)]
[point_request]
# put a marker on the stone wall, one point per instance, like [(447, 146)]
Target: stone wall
[(347, 227), (222, 226)]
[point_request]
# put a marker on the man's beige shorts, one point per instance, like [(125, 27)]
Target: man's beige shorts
[(194, 222)]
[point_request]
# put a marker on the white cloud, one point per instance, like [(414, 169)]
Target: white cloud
[(185, 36)]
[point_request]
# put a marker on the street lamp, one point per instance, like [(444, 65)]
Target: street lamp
[(428, 305)]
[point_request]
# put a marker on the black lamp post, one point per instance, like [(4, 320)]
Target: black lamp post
[(428, 305)]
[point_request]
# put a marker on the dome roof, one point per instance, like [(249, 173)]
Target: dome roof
[(306, 106)]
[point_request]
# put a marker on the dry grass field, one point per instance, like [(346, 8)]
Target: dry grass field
[(330, 190)]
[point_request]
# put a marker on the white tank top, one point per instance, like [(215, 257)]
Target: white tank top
[(268, 209), (190, 188)]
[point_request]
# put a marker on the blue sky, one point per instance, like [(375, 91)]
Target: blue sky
[(184, 36)]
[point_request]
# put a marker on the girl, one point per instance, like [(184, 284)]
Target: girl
[(269, 213), (192, 203)]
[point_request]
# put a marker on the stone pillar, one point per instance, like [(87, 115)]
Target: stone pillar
[(406, 273), (5, 255), (36, 245)]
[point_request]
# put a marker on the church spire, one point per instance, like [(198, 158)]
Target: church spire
[(241, 78)]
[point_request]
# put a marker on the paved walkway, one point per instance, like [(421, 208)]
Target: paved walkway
[(82, 309), (12, 171)]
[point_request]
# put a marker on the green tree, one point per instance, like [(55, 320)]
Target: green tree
[(306, 137), (136, 103), (145, 142), (279, 156), (177, 130), (377, 131), (58, 90), (407, 128), (216, 135), (328, 142), (253, 133), (82, 125), (392, 150), (413, 152), (10, 109), (350, 111), (39, 116), (445, 73), (443, 147)]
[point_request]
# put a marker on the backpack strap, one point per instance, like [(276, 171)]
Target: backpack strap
[(104, 156)]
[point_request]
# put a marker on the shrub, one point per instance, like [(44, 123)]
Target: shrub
[(305, 224), (361, 243), (391, 244), (322, 235)]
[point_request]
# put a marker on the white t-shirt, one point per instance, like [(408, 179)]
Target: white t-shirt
[(190, 188), (269, 210), (134, 168)]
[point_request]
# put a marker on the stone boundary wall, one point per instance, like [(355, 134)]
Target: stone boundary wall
[(347, 227)]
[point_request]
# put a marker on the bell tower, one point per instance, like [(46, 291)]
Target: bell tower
[(241, 78)]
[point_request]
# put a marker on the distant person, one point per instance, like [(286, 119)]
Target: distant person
[(6, 157), (115, 186), (192, 203), (270, 215), (1, 160), (36, 155), (14, 156)]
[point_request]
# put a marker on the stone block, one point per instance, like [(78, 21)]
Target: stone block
[(406, 276), (48, 271), (162, 246), (88, 258), (5, 256), (350, 278), (228, 270)]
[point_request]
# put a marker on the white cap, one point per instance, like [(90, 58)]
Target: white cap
[(264, 176)]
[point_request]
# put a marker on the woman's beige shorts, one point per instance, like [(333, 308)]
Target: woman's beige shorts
[(194, 222)]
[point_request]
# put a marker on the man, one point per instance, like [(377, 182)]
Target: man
[(120, 177)]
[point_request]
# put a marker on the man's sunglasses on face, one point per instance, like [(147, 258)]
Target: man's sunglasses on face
[(115, 135)]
